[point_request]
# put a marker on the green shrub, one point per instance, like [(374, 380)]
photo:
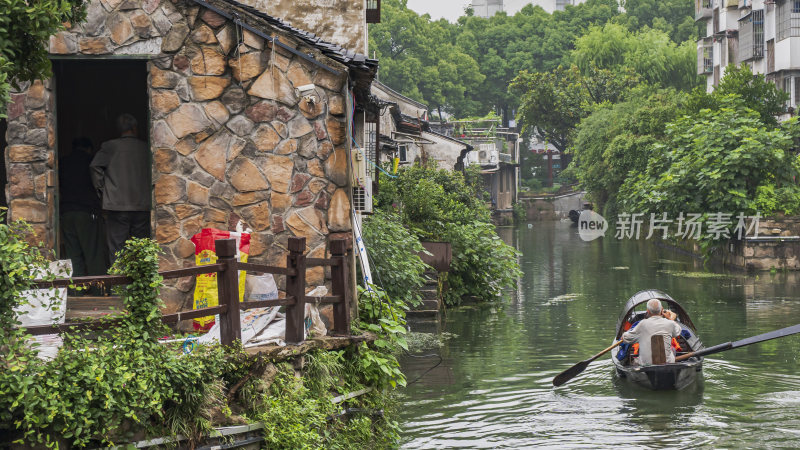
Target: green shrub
[(393, 251), (440, 205)]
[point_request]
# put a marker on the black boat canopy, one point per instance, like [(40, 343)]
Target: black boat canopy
[(645, 295)]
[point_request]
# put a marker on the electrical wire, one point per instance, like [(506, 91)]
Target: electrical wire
[(427, 371)]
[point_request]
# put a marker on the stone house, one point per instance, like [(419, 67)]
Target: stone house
[(247, 119)]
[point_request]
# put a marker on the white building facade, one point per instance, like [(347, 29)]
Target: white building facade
[(762, 34)]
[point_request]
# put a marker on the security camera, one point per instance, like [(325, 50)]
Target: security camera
[(306, 89)]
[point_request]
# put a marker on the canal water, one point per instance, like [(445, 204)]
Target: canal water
[(492, 388)]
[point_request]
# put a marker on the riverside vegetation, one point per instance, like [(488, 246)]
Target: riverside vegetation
[(424, 203), (660, 150), (121, 385)]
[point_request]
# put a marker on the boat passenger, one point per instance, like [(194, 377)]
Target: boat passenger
[(657, 321)]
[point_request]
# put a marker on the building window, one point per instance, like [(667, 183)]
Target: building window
[(751, 36), (402, 153), (373, 11), (370, 147), (788, 19), (796, 90), (705, 56), (787, 87)]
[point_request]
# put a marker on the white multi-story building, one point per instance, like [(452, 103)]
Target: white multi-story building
[(488, 8), (763, 34)]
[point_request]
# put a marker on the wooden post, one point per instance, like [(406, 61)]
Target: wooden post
[(230, 327), (340, 281), (296, 287)]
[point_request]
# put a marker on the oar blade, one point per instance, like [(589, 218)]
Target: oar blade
[(570, 373), (783, 332)]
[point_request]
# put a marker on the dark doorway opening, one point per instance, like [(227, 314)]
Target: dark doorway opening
[(90, 96), (3, 175)]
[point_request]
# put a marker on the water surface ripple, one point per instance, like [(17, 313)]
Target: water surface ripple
[(493, 388)]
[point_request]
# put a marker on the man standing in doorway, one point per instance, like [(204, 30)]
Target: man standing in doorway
[(81, 224), (121, 172)]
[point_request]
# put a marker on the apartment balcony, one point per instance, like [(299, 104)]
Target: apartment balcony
[(705, 56), (702, 9)]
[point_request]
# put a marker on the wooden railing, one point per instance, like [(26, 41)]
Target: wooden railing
[(227, 269)]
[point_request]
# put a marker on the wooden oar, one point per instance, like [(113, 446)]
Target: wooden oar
[(788, 331), (573, 371)]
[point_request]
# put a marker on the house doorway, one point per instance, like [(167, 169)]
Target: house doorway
[(90, 96)]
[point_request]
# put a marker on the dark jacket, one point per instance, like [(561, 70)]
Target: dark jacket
[(121, 172), (76, 192)]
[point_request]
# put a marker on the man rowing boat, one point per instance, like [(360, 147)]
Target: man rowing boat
[(658, 322)]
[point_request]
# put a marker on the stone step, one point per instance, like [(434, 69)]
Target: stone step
[(429, 314), (425, 326), (427, 305), (429, 294)]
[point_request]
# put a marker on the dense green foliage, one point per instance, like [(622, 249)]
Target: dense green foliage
[(465, 68), (439, 205), (553, 103), (723, 160), (664, 151), (649, 53), (674, 17), (615, 141), (25, 29), (754, 91), (107, 388), (393, 252)]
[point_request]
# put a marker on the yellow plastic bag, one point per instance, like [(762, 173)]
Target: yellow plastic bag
[(206, 294)]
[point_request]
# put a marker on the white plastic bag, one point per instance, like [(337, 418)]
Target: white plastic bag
[(253, 321), (46, 307), (313, 322)]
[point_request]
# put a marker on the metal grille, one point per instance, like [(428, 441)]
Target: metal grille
[(751, 36), (788, 19), (758, 33), (359, 199), (373, 11), (371, 147)]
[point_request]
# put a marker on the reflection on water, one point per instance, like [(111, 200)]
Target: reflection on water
[(493, 388)]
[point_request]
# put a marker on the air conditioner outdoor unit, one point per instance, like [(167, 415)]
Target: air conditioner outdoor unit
[(362, 196), (482, 155)]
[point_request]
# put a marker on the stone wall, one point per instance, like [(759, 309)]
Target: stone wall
[(230, 138), (339, 21), (30, 160), (775, 247)]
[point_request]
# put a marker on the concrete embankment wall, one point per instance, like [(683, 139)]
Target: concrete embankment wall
[(552, 207), (776, 246)]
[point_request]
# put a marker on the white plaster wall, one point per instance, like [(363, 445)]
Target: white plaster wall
[(444, 151), (787, 54)]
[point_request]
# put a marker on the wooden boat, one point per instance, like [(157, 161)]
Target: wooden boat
[(659, 376)]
